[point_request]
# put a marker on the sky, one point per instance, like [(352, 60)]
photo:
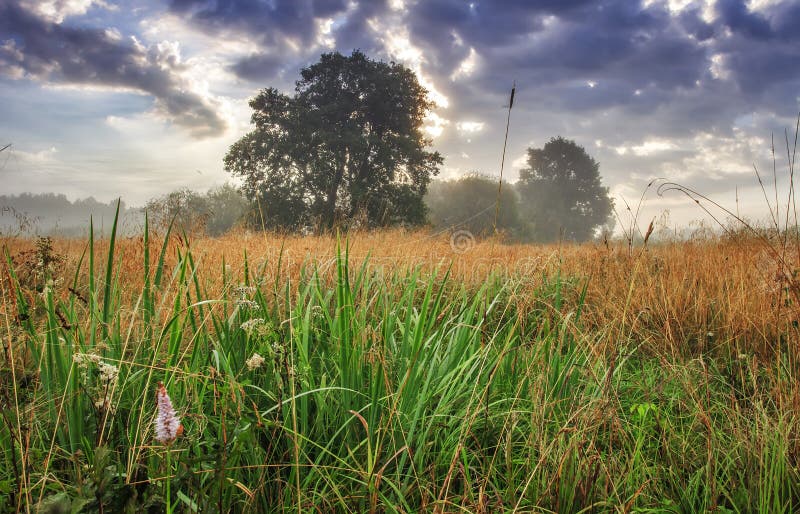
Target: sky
[(135, 98)]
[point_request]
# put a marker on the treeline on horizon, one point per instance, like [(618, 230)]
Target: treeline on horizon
[(466, 203), (55, 214), (347, 151)]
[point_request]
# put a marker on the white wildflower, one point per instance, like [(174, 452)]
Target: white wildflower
[(168, 424), (247, 304), (243, 291), (252, 324), (108, 373), (82, 360), (254, 362)]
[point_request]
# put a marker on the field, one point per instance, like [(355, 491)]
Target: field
[(388, 372)]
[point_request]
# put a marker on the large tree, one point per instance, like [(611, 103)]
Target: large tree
[(347, 144), (561, 192)]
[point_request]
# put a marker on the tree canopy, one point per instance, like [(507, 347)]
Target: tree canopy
[(470, 203), (214, 212), (347, 145), (561, 192)]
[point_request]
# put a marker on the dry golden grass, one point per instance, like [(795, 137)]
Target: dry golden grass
[(680, 367), (695, 296)]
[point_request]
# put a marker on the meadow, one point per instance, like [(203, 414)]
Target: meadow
[(391, 372)]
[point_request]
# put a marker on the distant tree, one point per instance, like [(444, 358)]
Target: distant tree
[(348, 144), (226, 206), (54, 214), (470, 202), (213, 213), (561, 192), (185, 209)]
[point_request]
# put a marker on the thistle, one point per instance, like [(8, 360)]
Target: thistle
[(168, 424)]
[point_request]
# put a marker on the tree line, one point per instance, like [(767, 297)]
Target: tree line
[(50, 213), (558, 196), (347, 149)]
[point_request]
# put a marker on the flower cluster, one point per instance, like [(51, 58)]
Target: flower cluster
[(82, 360), (255, 362), (168, 424), (108, 373), (252, 325), (243, 291), (101, 383), (259, 328), (241, 294)]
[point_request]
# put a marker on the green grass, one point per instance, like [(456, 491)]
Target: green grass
[(400, 392)]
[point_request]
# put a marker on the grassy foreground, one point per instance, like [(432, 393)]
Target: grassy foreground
[(388, 374)]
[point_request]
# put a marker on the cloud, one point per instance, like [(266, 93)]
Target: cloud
[(736, 16), (258, 66), (467, 66), (470, 127), (435, 124), (57, 10), (285, 30), (38, 49)]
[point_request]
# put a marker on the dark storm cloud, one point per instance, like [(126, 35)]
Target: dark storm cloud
[(786, 18), (34, 48), (693, 23), (736, 16), (276, 13), (273, 25), (617, 40), (646, 67), (486, 23), (258, 66), (354, 31), (759, 68), (761, 52), (268, 20)]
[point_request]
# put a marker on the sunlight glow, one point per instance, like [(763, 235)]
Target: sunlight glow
[(470, 126), (467, 66), (398, 45)]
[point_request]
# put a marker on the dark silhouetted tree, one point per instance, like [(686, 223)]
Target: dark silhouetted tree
[(347, 144), (561, 192)]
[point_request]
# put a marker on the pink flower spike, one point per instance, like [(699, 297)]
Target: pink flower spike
[(168, 424)]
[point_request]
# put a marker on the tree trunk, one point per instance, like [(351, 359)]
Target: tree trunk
[(333, 192), (360, 184)]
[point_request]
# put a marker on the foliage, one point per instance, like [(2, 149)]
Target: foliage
[(347, 145), (561, 192), (213, 213), (227, 207), (470, 203)]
